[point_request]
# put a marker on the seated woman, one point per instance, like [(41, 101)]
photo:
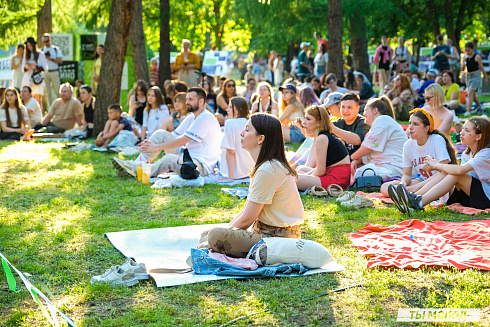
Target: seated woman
[(308, 97), (424, 141), (14, 118), (435, 101), (273, 207), (401, 96), (137, 102), (88, 102), (210, 98), (223, 100), (178, 116), (452, 91), (469, 183), (291, 109), (235, 163), (265, 103), (364, 86), (155, 112), (328, 161), (382, 147)]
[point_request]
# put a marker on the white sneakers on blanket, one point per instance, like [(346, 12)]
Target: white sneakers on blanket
[(129, 274)]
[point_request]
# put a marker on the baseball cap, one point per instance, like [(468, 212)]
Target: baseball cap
[(291, 87), (332, 98), (433, 72), (303, 44)]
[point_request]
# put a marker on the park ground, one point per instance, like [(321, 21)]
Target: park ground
[(55, 207)]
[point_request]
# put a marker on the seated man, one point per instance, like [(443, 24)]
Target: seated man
[(200, 133), (64, 113), (113, 126), (351, 128), (33, 108)]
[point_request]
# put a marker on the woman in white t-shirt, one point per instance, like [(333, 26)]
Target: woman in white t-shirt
[(273, 207), (236, 162), (321, 61), (155, 112), (14, 118), (424, 141), (382, 147), (265, 103), (469, 182)]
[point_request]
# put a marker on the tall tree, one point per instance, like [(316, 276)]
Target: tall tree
[(335, 38), (359, 42), (138, 44), (44, 21), (164, 72), (115, 48)]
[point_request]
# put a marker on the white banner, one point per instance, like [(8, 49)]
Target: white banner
[(453, 315), (6, 74)]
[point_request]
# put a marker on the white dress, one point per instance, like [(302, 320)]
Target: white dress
[(18, 73), (278, 71), (27, 80)]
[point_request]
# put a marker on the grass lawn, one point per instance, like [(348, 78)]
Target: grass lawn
[(55, 207)]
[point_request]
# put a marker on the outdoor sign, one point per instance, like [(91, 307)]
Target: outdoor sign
[(68, 72), (217, 63), (88, 44), (65, 43), (6, 74), (425, 62)]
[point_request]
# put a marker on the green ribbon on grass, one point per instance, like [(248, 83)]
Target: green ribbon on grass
[(10, 277)]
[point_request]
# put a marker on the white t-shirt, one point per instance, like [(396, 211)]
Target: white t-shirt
[(321, 59), (415, 84), (205, 135), (154, 118), (34, 110), (294, 66), (13, 116), (232, 140), (55, 53), (386, 138), (273, 187), (481, 169), (414, 154)]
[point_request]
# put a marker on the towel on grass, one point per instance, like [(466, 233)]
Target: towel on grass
[(453, 244)]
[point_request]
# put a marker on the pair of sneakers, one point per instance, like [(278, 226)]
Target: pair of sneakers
[(128, 274), (351, 199), (405, 200)]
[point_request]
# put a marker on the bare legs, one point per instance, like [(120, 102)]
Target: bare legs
[(462, 182), (102, 141)]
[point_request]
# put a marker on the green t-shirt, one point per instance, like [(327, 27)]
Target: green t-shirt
[(302, 58), (453, 88)]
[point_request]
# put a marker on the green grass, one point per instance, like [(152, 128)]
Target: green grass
[(55, 207)]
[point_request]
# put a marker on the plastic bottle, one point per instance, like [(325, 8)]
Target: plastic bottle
[(426, 240)]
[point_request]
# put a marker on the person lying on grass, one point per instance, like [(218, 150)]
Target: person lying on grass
[(113, 126), (470, 182), (273, 207), (328, 161), (424, 141)]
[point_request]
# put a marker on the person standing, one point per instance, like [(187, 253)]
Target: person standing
[(402, 56), (473, 68), (321, 61), (34, 64), (16, 65), (454, 62), (52, 75), (185, 64), (383, 59), (97, 64), (304, 67), (320, 41), (278, 70), (440, 55)]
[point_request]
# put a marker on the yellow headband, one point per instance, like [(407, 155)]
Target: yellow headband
[(428, 115)]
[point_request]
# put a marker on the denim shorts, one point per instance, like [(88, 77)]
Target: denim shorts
[(295, 135), (473, 81)]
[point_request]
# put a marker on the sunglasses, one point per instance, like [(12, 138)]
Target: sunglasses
[(428, 98), (230, 85), (46, 41)]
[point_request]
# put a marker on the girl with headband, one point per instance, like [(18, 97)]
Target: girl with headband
[(469, 183), (424, 141)]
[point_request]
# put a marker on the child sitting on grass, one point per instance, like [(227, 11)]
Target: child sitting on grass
[(113, 126)]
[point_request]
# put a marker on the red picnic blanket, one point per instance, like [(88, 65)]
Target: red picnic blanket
[(452, 244)]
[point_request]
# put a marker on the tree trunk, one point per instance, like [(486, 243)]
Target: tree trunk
[(44, 21), (164, 72), (436, 28), (359, 43), (218, 33), (335, 64), (116, 44), (138, 45)]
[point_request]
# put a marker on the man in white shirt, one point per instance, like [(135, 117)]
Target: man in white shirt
[(200, 133), (33, 108), (52, 75)]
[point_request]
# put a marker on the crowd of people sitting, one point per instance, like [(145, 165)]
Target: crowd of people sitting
[(244, 135)]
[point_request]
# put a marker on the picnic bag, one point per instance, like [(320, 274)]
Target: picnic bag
[(188, 170), (37, 77), (370, 183)]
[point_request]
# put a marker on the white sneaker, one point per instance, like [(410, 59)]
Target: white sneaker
[(116, 276), (123, 167), (346, 196), (358, 201), (139, 269), (466, 114)]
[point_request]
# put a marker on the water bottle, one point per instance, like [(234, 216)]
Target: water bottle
[(426, 239)]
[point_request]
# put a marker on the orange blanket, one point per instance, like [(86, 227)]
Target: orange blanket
[(461, 244)]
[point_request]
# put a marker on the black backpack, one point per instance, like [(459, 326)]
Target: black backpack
[(188, 170)]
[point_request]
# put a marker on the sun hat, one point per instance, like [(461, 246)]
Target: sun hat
[(333, 98)]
